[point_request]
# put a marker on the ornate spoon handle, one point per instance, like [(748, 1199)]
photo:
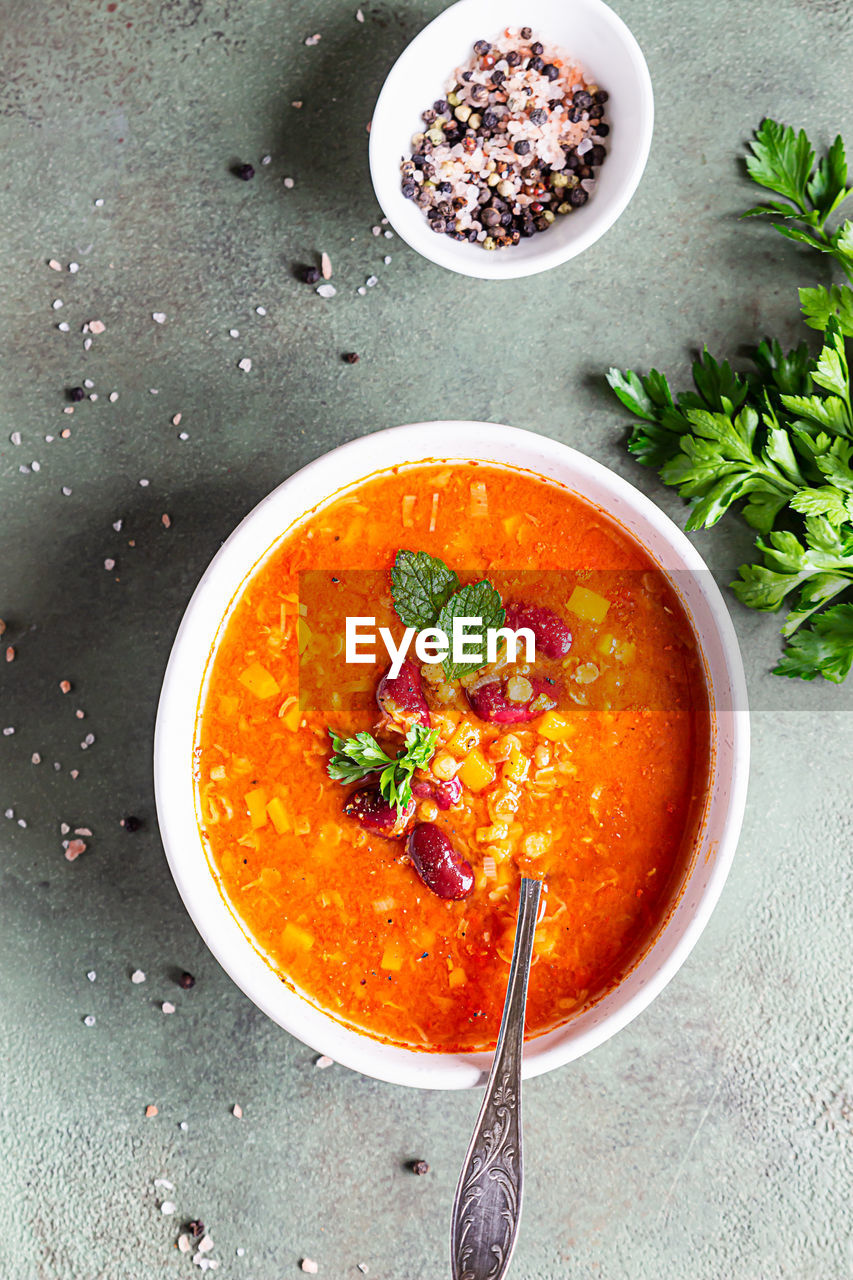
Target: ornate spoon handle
[(487, 1207)]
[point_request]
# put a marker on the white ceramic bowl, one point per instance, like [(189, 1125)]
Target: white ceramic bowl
[(240, 555), (603, 45)]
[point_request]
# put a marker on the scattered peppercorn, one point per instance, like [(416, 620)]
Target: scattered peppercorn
[(187, 981), (76, 394), (420, 1167), (132, 823), (351, 357), (244, 171), (310, 274)]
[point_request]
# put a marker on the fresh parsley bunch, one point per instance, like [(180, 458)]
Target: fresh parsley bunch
[(360, 756), (779, 438), (427, 594)]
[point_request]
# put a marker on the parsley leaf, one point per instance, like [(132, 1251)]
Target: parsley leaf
[(777, 441), (361, 755), (823, 649), (479, 600), (421, 584)]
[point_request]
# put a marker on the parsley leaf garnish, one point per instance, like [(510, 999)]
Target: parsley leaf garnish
[(776, 441), (421, 585), (361, 755), (479, 600)]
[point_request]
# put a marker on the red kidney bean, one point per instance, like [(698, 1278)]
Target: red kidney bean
[(402, 698), (490, 702), (438, 864), (370, 808), (553, 637), (444, 794)]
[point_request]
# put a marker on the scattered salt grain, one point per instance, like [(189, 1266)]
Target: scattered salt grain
[(237, 1111), (74, 848), (324, 1061), (36, 466), (151, 1111), (63, 826), (245, 364), (361, 291), (10, 653), (74, 267), (154, 391), (325, 266), (240, 1251), (261, 311), (57, 304), (99, 204), (184, 1243), (22, 822), (7, 733), (89, 1020), (48, 439), (93, 396), (74, 773), (376, 231), (296, 104), (183, 435), (312, 40), (109, 565), (309, 1266), (54, 265), (387, 260), (168, 1207), (359, 16), (35, 758), (176, 419), (113, 397), (65, 686), (144, 483), (289, 183), (9, 813), (64, 327), (362, 1266), (205, 1244), (91, 975), (97, 326), (183, 1126), (166, 520), (66, 492), (167, 1006), (15, 437), (137, 976), (371, 281), (326, 290), (389, 235), (87, 344), (266, 159), (159, 317)]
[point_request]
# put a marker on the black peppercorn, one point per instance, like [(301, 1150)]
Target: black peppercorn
[(76, 394), (420, 1167), (132, 823), (550, 71), (350, 357), (536, 48), (522, 147), (187, 981), (310, 275)]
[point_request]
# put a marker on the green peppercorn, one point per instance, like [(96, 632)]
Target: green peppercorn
[(565, 207), (475, 120), (453, 99), (559, 180), (548, 215), (462, 114)]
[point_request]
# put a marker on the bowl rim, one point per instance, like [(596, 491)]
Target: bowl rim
[(223, 581), (504, 266)]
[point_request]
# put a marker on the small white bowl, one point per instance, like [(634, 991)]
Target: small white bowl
[(185, 681), (587, 29)]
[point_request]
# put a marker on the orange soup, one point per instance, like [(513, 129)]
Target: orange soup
[(586, 767)]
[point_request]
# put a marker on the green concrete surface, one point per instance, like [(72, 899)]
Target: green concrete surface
[(713, 1138)]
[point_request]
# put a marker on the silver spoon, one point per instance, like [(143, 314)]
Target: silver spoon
[(487, 1206)]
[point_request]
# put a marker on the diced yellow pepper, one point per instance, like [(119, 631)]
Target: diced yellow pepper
[(278, 813), (391, 960), (554, 726), (588, 605), (456, 978), (256, 803), (259, 681), (464, 739), (511, 524), (517, 765), (295, 938), (475, 771), (291, 714)]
